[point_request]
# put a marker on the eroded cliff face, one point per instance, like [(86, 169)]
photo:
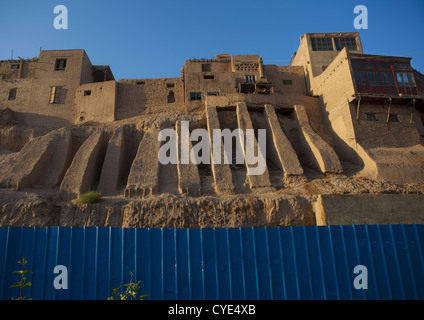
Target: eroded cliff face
[(292, 206), (165, 211), (42, 174)]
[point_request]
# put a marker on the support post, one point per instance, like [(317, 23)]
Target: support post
[(357, 110), (412, 111), (388, 111)]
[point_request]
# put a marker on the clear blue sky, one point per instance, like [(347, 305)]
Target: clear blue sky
[(148, 39)]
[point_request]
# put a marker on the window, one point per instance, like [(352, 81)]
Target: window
[(195, 96), (287, 82), (363, 79), (373, 78), (12, 94), (411, 79), (386, 79), (60, 64), (140, 83), (171, 97), (322, 44), (14, 66), (250, 79), (393, 118), (208, 77), (55, 95), (371, 117), (213, 94), (206, 67), (349, 43), (87, 93), (402, 79), (170, 85), (372, 73), (360, 77)]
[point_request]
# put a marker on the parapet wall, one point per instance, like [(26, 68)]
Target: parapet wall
[(369, 209)]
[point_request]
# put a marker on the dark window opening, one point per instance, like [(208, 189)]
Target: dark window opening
[(87, 93), (170, 85), (208, 77), (371, 117), (12, 94), (140, 82), (171, 97), (322, 44), (287, 82), (393, 118), (60, 64), (14, 66), (349, 43), (195, 96), (213, 94), (206, 67)]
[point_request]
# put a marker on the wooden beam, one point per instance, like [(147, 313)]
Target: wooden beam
[(357, 109), (388, 111), (412, 111)]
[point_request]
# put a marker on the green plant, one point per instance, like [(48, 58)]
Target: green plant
[(130, 292), (90, 197), (22, 282)]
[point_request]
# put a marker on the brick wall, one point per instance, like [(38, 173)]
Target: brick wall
[(38, 111), (286, 79), (136, 96), (96, 101), (380, 133)]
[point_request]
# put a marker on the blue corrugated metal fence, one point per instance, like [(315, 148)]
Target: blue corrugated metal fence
[(228, 263)]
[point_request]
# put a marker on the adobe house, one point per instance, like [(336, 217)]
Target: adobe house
[(372, 104), (332, 105)]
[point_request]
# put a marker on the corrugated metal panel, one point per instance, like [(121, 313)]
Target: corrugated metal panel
[(246, 263)]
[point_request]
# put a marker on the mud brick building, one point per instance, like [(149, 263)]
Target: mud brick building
[(334, 111)]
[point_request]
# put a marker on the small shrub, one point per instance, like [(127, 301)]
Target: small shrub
[(22, 279), (90, 197), (130, 291)]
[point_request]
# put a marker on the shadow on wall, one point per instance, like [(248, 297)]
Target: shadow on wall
[(38, 120), (131, 100), (344, 151)]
